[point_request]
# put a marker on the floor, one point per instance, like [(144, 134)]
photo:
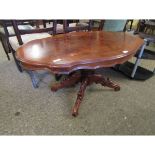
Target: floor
[(28, 111)]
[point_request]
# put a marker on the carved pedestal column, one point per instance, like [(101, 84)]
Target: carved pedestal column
[(86, 78)]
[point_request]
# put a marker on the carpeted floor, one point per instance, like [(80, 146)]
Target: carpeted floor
[(28, 111)]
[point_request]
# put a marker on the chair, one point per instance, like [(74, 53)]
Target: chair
[(77, 26), (25, 35), (145, 25), (97, 24), (3, 40), (131, 22), (150, 25), (49, 23), (140, 26), (6, 31), (110, 25), (113, 25)]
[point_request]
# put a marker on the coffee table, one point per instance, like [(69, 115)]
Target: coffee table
[(78, 55)]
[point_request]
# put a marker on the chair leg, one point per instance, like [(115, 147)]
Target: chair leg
[(17, 62), (138, 60), (34, 78), (154, 71), (131, 25), (5, 50)]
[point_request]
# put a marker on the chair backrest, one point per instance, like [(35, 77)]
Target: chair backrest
[(113, 25), (100, 25), (37, 29), (77, 27), (8, 29)]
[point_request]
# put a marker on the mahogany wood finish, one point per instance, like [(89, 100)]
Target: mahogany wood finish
[(84, 51), (65, 53)]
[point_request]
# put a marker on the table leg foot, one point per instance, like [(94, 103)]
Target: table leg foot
[(111, 84), (80, 96), (71, 80)]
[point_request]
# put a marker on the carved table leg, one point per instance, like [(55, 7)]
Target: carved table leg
[(111, 84), (97, 78), (80, 96), (71, 80), (86, 78)]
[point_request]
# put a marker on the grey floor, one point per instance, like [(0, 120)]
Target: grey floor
[(28, 111)]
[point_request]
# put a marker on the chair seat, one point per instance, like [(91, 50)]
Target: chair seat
[(26, 38), (11, 29), (82, 24), (72, 24), (77, 25), (59, 28)]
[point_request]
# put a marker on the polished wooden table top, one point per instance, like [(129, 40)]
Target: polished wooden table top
[(78, 50)]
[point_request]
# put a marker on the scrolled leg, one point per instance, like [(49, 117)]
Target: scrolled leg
[(110, 84), (97, 78)]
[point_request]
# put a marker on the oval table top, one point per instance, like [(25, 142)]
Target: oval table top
[(78, 50)]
